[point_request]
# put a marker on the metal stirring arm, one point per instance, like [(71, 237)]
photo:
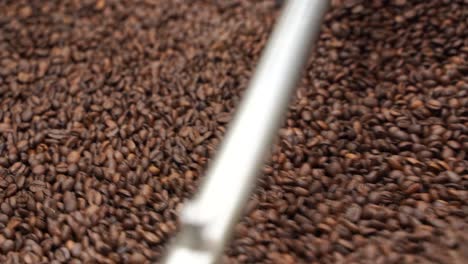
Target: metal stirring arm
[(208, 220)]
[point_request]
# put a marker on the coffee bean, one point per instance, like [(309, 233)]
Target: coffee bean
[(6, 209), (75, 250), (301, 191), (370, 101), (354, 213), (154, 170), (434, 104), (136, 258), (62, 254), (22, 145), (151, 238), (413, 188), (334, 168), (69, 201), (7, 245), (374, 197), (25, 77), (372, 176), (139, 200), (398, 134), (73, 156), (453, 177), (31, 258), (415, 104), (146, 191), (67, 184), (38, 169), (26, 115)]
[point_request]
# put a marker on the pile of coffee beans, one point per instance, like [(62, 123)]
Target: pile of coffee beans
[(111, 109)]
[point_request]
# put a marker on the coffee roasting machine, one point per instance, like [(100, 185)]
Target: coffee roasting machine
[(207, 220)]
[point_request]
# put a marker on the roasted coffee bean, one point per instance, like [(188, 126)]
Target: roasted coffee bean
[(354, 213), (70, 202), (73, 157), (334, 168), (38, 169), (7, 245), (62, 254), (139, 200), (434, 104), (6, 209)]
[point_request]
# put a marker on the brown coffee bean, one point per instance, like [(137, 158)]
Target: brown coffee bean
[(370, 101), (73, 157), (31, 258), (413, 188), (102, 247), (416, 104), (151, 238), (6, 209), (7, 245), (154, 170), (75, 250), (301, 191), (334, 168), (68, 184), (22, 145), (453, 177), (62, 254), (305, 170), (353, 213), (3, 218), (136, 258), (27, 115), (146, 191), (223, 117), (434, 104), (25, 77), (398, 134), (372, 177), (139, 200), (38, 169), (306, 115), (70, 202)]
